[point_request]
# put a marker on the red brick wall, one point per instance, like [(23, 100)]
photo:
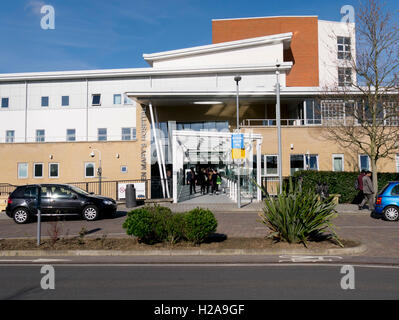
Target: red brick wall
[(304, 52)]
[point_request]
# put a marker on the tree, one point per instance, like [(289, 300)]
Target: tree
[(362, 108)]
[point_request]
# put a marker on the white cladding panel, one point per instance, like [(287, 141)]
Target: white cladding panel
[(260, 54), (328, 50), (12, 121)]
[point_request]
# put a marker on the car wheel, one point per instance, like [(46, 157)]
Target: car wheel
[(391, 213), (21, 215), (90, 213)]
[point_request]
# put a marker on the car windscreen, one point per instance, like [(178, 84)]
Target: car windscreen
[(79, 191)]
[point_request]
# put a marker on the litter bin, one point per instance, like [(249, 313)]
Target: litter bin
[(131, 196)]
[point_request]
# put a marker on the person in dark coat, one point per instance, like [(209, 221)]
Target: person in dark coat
[(360, 188), (202, 180), (191, 180), (215, 177), (368, 191)]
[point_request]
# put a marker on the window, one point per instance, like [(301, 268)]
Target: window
[(127, 100), (40, 135), (65, 101), (271, 168), (22, 170), (38, 170), (10, 136), (102, 134), (332, 110), (59, 192), (53, 170), (124, 169), (128, 133), (90, 170), (344, 48), (313, 114), (344, 77), (304, 162), (96, 100), (395, 190), (71, 134), (117, 99), (30, 192), (338, 162), (45, 101), (4, 102), (364, 162)]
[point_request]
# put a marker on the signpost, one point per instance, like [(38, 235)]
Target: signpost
[(238, 153), (38, 206)]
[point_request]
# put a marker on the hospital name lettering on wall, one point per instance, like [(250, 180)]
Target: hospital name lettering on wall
[(143, 158)]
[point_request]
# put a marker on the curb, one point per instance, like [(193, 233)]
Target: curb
[(169, 252)]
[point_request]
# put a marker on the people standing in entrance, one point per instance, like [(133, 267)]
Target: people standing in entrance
[(215, 179), (202, 180), (359, 186), (209, 182), (368, 191), (191, 180)]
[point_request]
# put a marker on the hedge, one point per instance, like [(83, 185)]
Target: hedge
[(342, 183)]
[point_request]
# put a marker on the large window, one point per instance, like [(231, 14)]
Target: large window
[(53, 170), (102, 134), (313, 114), (4, 102), (10, 136), (332, 110), (344, 48), (40, 135), (304, 162), (344, 77), (22, 170)]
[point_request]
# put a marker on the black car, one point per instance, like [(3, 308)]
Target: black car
[(57, 200)]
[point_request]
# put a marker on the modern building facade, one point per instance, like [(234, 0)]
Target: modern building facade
[(50, 122)]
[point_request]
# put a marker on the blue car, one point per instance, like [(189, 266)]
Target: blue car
[(387, 202)]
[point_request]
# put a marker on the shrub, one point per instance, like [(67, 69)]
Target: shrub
[(140, 223), (340, 182), (297, 215), (175, 228), (199, 223)]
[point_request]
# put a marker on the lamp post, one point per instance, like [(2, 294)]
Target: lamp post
[(278, 120), (237, 79), (100, 169)]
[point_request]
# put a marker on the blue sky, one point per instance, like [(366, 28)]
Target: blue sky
[(104, 34)]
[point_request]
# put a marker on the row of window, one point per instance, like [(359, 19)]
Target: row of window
[(95, 100), (54, 170), (102, 135), (310, 162)]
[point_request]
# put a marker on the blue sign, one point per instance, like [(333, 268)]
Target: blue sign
[(237, 141)]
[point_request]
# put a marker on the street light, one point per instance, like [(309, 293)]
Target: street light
[(237, 79), (278, 120), (99, 170)]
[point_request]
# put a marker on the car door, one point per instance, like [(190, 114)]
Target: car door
[(64, 200), (30, 196)]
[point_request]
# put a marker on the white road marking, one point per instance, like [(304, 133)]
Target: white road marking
[(298, 258), (35, 260)]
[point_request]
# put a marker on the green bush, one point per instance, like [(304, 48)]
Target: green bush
[(199, 223), (340, 182), (148, 224), (153, 224), (297, 215)]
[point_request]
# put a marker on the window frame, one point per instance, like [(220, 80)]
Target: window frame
[(92, 99), (7, 137), (48, 101), (8, 102), (98, 134), (85, 170), (338, 155), (360, 163), (49, 170), (346, 52), (68, 135), (37, 136), (62, 101), (120, 99), (34, 170), (27, 170), (344, 70), (265, 165)]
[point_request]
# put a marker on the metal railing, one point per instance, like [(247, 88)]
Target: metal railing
[(284, 122)]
